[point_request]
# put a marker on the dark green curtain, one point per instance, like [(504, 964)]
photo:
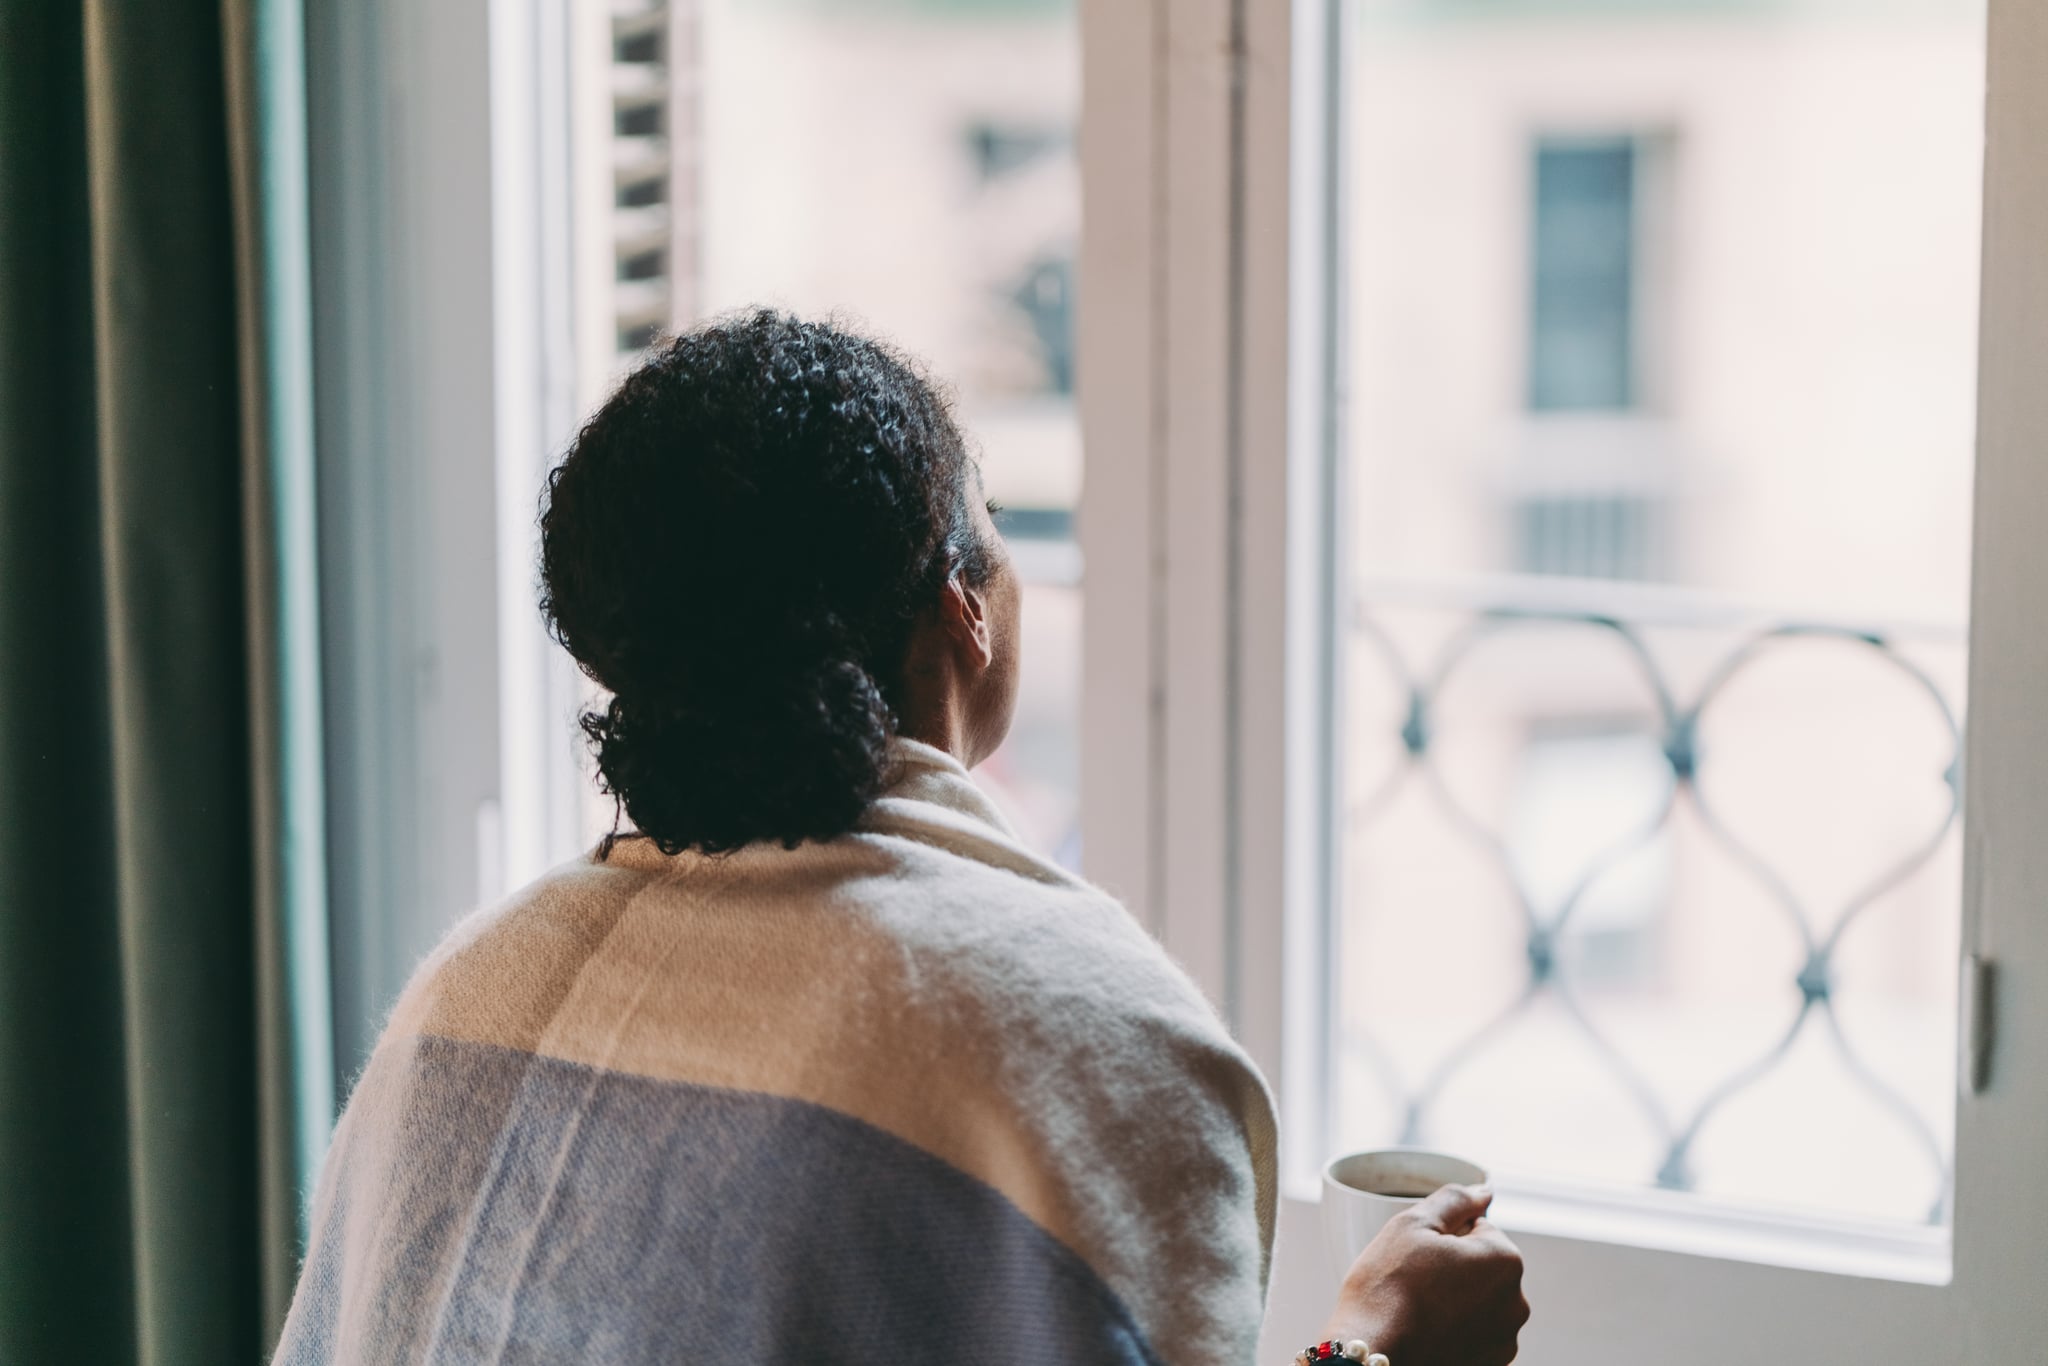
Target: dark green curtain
[(164, 1083)]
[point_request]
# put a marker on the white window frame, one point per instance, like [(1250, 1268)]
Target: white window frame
[(1211, 411), (446, 379), (406, 384), (1208, 365)]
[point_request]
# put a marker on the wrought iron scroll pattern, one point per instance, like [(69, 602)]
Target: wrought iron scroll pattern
[(1813, 1007)]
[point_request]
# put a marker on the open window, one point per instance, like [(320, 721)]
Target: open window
[(1552, 621), (1545, 671)]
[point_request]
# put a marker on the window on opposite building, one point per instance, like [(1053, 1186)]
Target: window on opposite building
[(1583, 276), (1591, 516)]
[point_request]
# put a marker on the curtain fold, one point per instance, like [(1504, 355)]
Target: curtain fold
[(164, 1081), (64, 1294)]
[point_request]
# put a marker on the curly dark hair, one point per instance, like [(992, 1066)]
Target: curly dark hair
[(737, 546)]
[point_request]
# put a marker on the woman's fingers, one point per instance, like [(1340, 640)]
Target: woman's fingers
[(1454, 1209)]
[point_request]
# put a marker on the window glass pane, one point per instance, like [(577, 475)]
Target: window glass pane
[(1662, 348), (907, 167)]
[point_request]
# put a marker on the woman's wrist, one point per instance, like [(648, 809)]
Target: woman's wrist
[(1368, 1317), (1381, 1333)]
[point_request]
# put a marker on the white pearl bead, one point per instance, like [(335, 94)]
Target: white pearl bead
[(1377, 1359), (1355, 1350)]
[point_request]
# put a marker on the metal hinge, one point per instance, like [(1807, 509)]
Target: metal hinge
[(1980, 1022)]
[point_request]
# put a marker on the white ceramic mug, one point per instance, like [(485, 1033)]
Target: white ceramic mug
[(1361, 1191)]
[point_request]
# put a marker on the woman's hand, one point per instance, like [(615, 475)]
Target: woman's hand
[(1439, 1286)]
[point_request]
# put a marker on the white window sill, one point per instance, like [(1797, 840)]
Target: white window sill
[(1689, 1225)]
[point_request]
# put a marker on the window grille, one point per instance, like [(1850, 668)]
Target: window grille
[(1593, 913)]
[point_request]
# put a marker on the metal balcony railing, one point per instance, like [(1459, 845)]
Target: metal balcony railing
[(1632, 616)]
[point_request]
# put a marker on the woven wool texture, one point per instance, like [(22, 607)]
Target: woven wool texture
[(913, 1095)]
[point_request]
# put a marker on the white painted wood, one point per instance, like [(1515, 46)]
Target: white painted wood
[(1120, 344), (1205, 329), (1302, 1290), (403, 314), (1273, 603), (2001, 1257), (1295, 586), (1200, 417), (1291, 588), (537, 401), (1194, 531), (437, 83), (446, 382), (1154, 320)]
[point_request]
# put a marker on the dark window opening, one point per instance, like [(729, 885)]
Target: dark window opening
[(1001, 149), (644, 265), (641, 193), (645, 46), (1583, 278), (1045, 295), (639, 121)]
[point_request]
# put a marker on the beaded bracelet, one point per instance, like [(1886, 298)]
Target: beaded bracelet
[(1333, 1350)]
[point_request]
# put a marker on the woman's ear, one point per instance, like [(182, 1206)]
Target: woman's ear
[(963, 610)]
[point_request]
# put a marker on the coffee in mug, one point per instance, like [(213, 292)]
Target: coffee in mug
[(1361, 1191)]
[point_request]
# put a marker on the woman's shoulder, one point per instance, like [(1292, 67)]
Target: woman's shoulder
[(972, 901), (499, 973), (956, 883)]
